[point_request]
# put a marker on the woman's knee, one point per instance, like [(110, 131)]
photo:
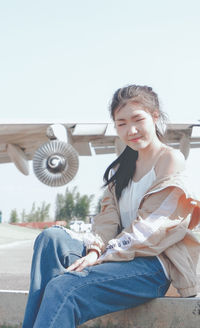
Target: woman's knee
[(69, 291), (51, 235), (54, 232), (60, 287), (59, 301)]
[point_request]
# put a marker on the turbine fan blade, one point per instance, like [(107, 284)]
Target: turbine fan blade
[(55, 163)]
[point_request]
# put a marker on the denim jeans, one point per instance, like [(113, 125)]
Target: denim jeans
[(60, 299)]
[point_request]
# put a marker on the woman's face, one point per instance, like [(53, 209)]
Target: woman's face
[(135, 126)]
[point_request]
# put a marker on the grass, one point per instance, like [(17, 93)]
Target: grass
[(98, 324), (5, 326)]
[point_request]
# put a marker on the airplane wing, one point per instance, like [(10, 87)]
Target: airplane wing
[(20, 142), (103, 138), (28, 137), (83, 137)]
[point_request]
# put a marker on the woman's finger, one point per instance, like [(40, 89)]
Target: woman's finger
[(75, 264), (82, 266), (88, 260)]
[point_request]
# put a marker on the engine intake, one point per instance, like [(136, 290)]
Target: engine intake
[(55, 163)]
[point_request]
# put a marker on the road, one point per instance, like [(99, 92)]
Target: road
[(16, 248)]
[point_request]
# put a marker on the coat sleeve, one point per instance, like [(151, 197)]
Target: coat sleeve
[(163, 219), (106, 225)]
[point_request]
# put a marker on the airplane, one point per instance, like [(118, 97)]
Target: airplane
[(55, 148)]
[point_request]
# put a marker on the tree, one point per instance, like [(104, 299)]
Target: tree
[(39, 214), (60, 204), (13, 216), (82, 207), (43, 212), (68, 209), (65, 205), (23, 215), (72, 204)]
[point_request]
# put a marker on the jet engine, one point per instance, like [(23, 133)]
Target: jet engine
[(56, 162)]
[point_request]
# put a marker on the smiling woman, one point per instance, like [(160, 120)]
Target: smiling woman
[(141, 241), (137, 116)]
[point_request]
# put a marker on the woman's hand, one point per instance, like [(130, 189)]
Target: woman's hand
[(89, 260)]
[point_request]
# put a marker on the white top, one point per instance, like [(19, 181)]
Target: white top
[(130, 199), (132, 195)]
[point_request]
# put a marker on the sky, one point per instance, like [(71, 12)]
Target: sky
[(62, 60)]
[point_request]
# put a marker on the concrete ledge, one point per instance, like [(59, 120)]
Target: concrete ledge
[(167, 312), (164, 312), (12, 305)]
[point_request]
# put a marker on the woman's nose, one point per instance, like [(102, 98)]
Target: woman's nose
[(132, 130)]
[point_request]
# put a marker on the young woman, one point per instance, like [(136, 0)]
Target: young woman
[(141, 241)]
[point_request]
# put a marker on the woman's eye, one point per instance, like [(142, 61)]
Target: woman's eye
[(121, 124)]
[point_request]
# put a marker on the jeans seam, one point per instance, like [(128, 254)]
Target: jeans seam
[(89, 283), (119, 277), (72, 253), (162, 286)]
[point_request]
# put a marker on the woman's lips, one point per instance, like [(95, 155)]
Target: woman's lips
[(134, 139)]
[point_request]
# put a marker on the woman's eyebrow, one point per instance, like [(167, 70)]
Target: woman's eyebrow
[(120, 119), (132, 117)]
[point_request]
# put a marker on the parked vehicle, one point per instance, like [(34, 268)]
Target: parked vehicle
[(80, 226)]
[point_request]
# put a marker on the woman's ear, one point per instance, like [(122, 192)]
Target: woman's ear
[(155, 116)]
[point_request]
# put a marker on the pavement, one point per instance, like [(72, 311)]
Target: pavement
[(16, 249)]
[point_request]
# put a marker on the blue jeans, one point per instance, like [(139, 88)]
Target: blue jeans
[(60, 299)]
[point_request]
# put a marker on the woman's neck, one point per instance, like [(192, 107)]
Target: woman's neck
[(147, 154)]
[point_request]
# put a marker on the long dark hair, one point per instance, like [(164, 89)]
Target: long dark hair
[(122, 170)]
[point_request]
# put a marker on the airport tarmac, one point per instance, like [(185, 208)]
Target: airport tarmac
[(16, 249)]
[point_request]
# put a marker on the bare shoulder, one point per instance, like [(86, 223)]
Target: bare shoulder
[(170, 162), (174, 156)]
